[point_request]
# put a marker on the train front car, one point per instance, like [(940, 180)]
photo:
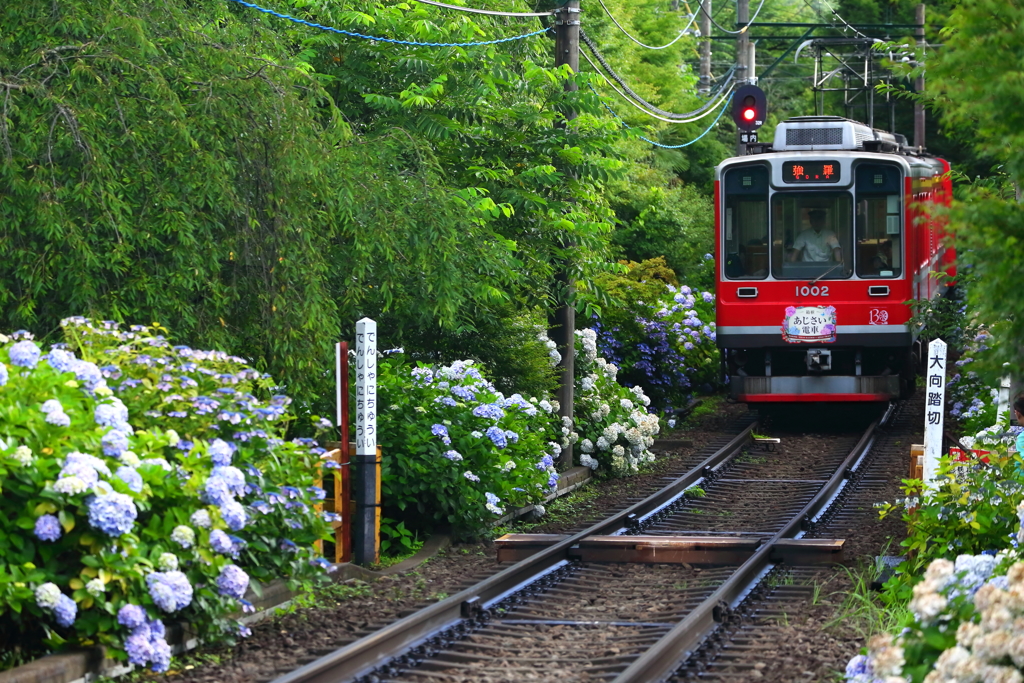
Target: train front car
[(820, 243)]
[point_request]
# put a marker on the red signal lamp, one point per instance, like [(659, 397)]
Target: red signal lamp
[(749, 113)]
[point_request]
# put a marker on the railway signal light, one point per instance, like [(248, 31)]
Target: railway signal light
[(749, 108)]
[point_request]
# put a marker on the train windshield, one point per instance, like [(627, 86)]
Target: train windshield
[(812, 235)]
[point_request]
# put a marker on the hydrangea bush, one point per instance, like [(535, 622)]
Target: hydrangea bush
[(967, 626), (459, 451), (615, 430), (143, 481), (661, 335), (971, 508)]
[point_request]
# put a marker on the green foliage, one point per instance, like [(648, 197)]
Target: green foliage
[(458, 452), (972, 509), (68, 445)]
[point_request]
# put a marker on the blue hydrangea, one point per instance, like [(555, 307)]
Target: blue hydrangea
[(65, 611), (857, 666), (184, 536), (111, 413), (545, 462), (553, 480), (170, 591), (470, 476), (232, 478), (4, 374), (221, 543), (114, 442), (113, 514), (51, 406), (138, 647), (465, 393), (497, 436), (131, 477), (441, 431), (131, 616), (454, 456), (490, 411), (25, 354), (446, 400), (232, 582), (58, 419), (88, 373), (48, 528), (216, 491), (60, 360), (511, 436), (233, 514), (220, 452)]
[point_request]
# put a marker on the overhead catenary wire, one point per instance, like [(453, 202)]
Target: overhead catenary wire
[(627, 34), (700, 4), (709, 107), (493, 13), (664, 146), (658, 112), (840, 18), (353, 34)]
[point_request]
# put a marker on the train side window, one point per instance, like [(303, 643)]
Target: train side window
[(745, 223), (879, 221)]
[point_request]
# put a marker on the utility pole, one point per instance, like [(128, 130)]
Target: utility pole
[(742, 58), (562, 323), (704, 10), (919, 82)]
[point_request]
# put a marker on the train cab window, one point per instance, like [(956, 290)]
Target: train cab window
[(879, 221), (812, 235), (745, 223)]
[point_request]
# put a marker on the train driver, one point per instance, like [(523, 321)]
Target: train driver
[(817, 243)]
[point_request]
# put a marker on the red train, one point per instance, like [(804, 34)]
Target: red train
[(821, 239)]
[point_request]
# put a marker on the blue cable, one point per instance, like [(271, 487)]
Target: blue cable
[(351, 34), (658, 144)]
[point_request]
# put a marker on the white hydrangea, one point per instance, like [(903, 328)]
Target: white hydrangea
[(509, 466), (556, 450), (626, 404), (130, 458), (605, 410), (546, 406), (23, 455), (588, 461), (602, 443), (588, 383), (618, 451), (587, 446)]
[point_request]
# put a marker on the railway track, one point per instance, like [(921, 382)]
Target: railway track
[(632, 596)]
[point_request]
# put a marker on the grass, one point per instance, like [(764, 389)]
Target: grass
[(562, 510), (709, 406), (391, 560), (747, 459), (862, 610)]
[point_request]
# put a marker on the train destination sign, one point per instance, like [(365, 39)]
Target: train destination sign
[(810, 172), (809, 324)]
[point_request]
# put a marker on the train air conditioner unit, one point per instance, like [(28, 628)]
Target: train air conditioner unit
[(812, 133)]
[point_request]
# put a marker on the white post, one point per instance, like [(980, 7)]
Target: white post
[(337, 381), (1003, 405), (366, 387), (935, 409)]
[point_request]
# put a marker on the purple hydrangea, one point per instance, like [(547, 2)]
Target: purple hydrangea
[(232, 582), (138, 647), (48, 528), (220, 452), (170, 591), (113, 514), (25, 354), (114, 442), (496, 435), (131, 616)]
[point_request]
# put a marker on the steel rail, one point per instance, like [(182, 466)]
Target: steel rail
[(368, 653), (665, 657)]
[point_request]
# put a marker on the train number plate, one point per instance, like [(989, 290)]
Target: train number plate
[(809, 324)]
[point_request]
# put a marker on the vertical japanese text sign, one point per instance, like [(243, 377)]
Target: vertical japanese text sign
[(934, 408), (366, 387)]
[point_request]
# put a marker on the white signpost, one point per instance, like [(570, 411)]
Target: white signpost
[(366, 387), (935, 409), (366, 530)]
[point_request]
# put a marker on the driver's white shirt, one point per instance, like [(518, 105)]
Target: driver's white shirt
[(816, 246)]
